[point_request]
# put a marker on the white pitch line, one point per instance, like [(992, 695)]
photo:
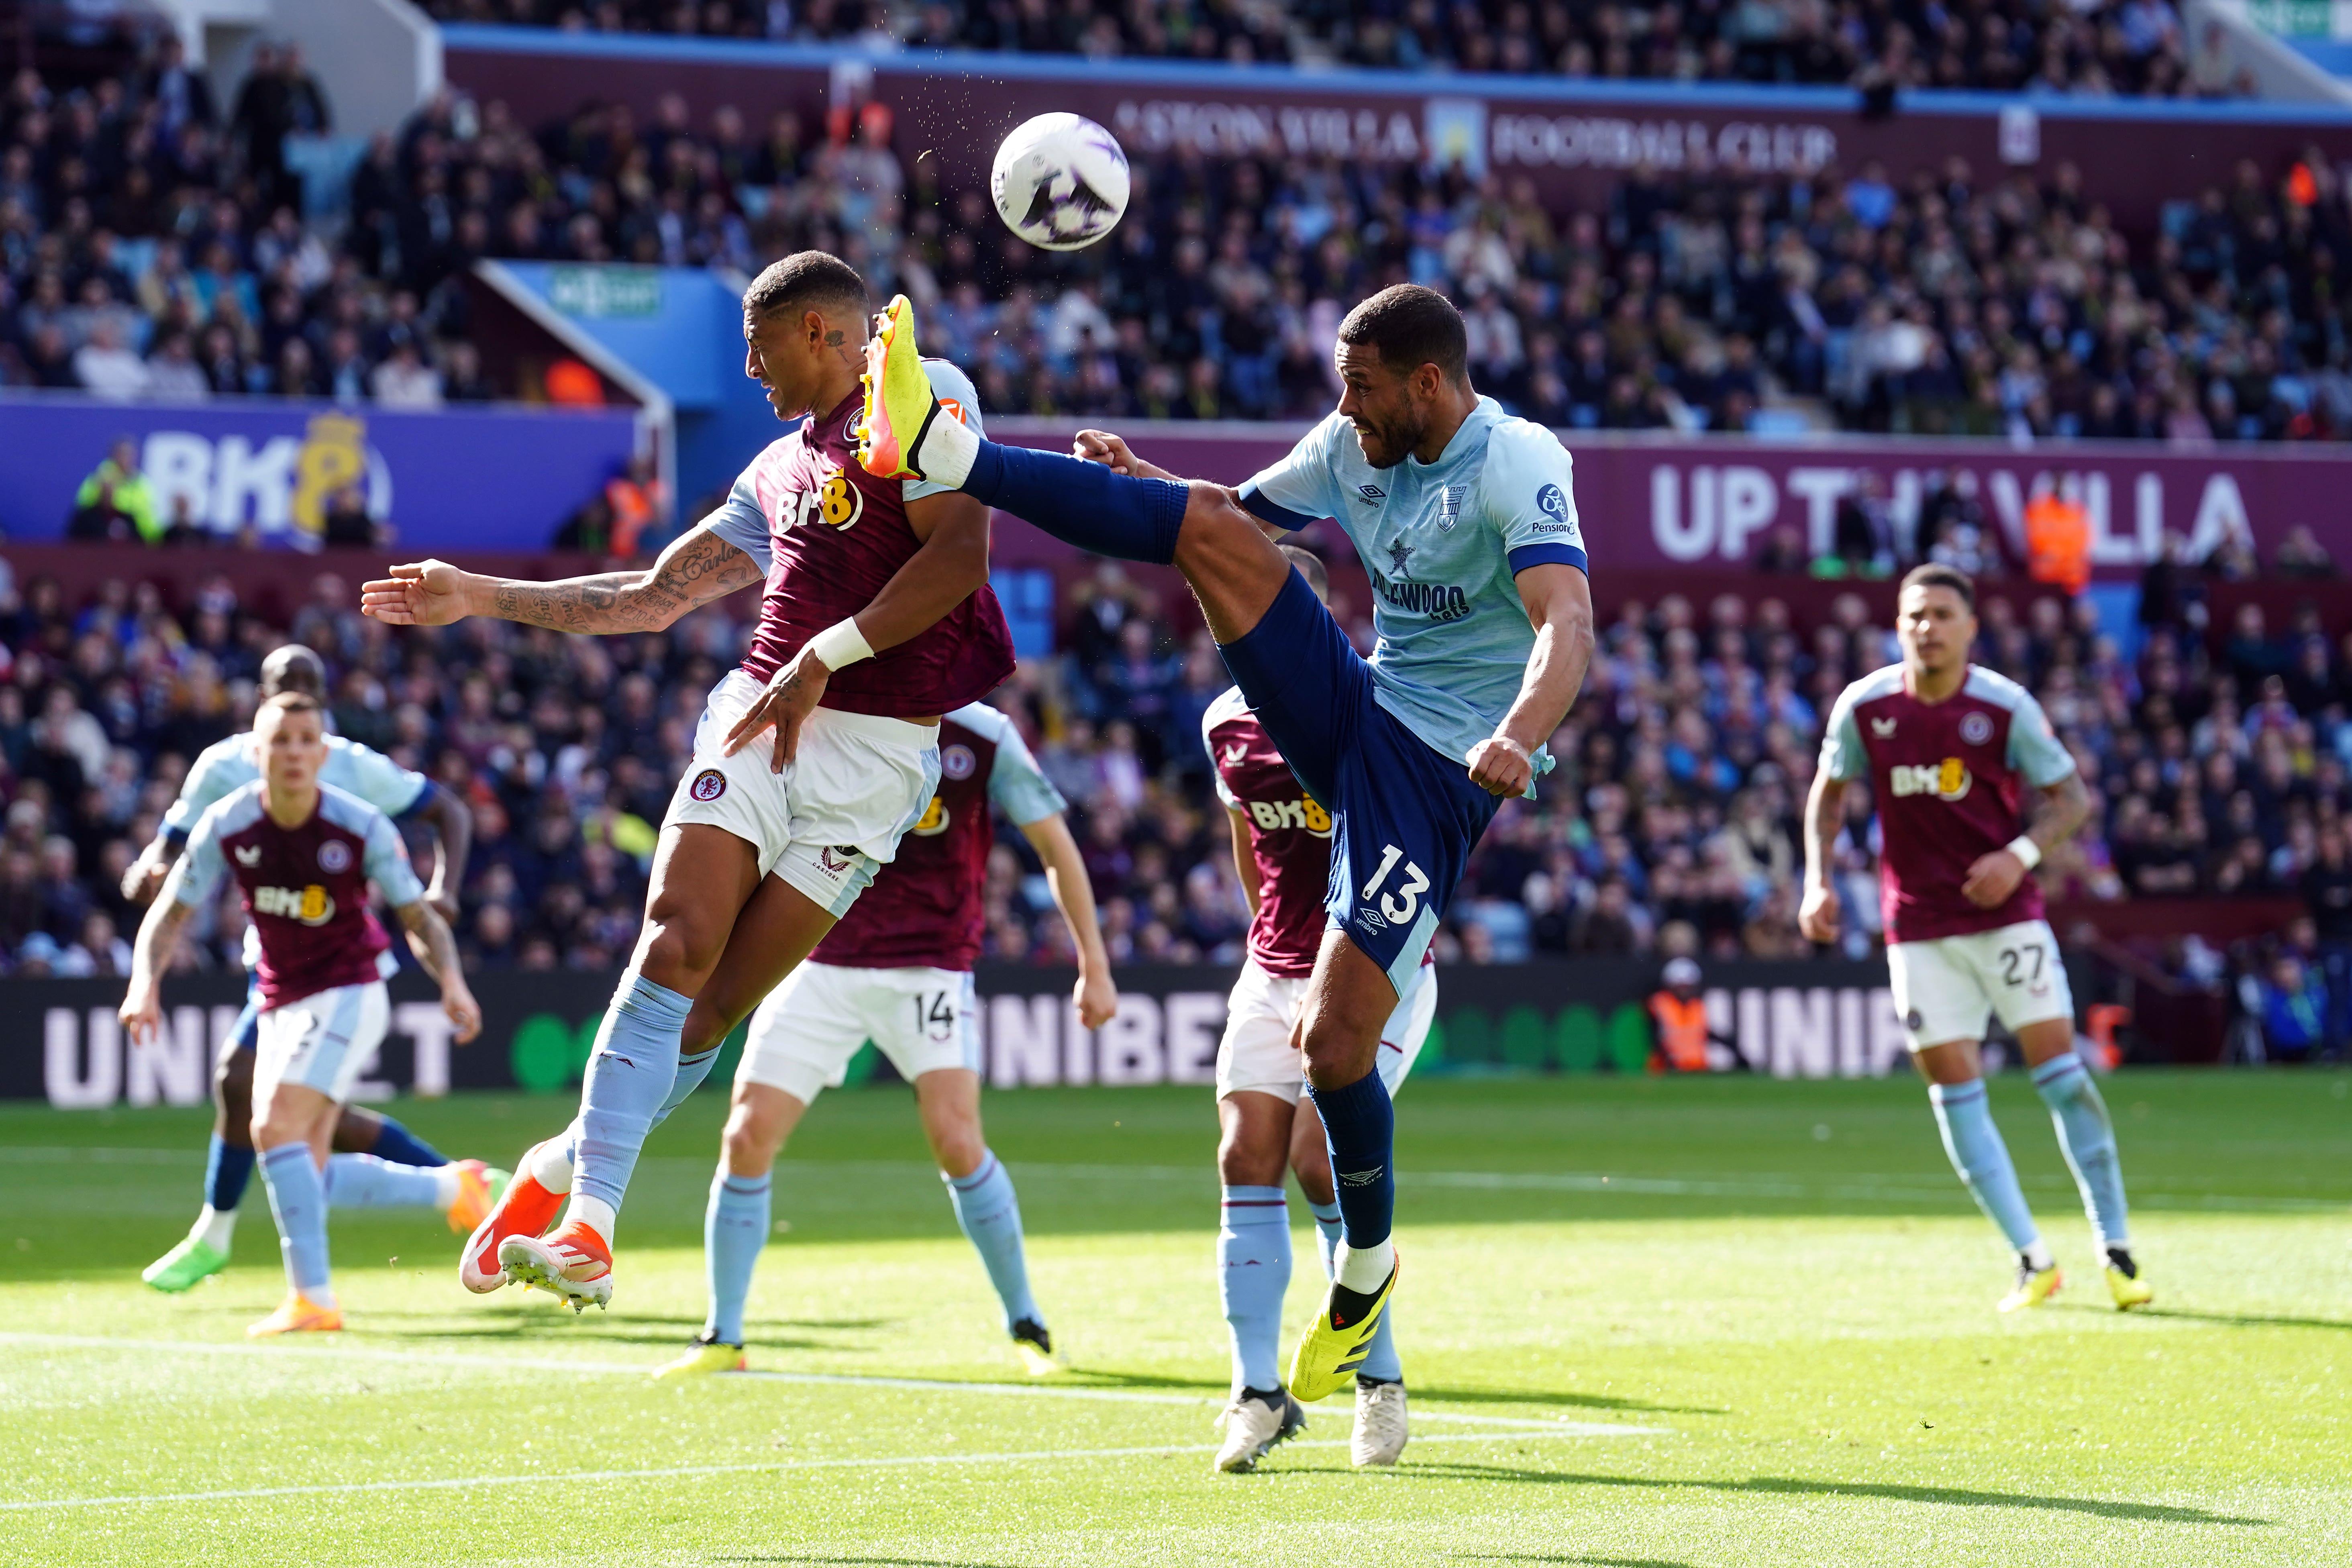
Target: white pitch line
[(288, 1354), (1033, 1456)]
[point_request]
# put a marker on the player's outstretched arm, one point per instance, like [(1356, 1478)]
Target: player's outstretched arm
[(436, 950), (144, 878), (698, 567), (950, 566), (1817, 915), (1558, 600), (1074, 895)]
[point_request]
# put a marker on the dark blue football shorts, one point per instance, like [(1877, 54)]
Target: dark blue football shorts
[(1403, 815)]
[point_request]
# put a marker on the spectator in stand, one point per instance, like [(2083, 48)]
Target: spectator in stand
[(2292, 1010), (116, 502), (2300, 556)]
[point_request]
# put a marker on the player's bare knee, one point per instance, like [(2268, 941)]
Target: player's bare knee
[(751, 1141), (680, 948), (357, 1131), (957, 1144), (1250, 1146)]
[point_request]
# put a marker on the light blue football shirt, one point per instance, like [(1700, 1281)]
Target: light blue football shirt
[(1441, 542), (225, 766)]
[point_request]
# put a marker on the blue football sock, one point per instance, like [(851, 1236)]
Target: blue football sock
[(1964, 1112), (691, 1071), (734, 1228), (1083, 503), (299, 1198), (1252, 1272), (227, 1169), (630, 1074), (1359, 1128), (2088, 1138), (401, 1147), (990, 1213), (1381, 1362), (364, 1182)]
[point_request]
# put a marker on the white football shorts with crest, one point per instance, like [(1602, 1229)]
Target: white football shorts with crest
[(835, 815)]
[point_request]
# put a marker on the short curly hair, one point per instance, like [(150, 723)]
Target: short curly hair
[(804, 279)]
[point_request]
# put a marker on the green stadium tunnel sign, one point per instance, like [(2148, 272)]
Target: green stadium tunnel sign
[(606, 290)]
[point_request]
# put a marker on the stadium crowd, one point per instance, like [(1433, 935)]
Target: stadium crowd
[(2219, 764), (147, 248), (2102, 49)]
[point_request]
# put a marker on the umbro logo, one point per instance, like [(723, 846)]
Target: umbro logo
[(1235, 753), (250, 856), (1363, 1178), (1370, 493), (1882, 728)]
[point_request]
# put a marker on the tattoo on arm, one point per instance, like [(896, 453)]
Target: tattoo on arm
[(429, 938), (2063, 808), (1824, 817), (700, 567)]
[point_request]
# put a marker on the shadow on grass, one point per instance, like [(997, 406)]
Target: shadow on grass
[(790, 1557), (1792, 1486), (2243, 1320), (1101, 1377)]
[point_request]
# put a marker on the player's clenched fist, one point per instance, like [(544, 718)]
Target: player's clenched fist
[(1501, 766), (1817, 916), (423, 594), (1102, 446)]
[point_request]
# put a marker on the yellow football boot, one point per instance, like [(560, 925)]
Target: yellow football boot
[(899, 404), (1336, 1342), (2035, 1285), (704, 1355), (1036, 1347), (2125, 1282)]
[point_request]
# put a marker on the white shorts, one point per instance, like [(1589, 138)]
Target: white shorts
[(322, 1041), (804, 1035), (1256, 1053), (1944, 988), (834, 816)]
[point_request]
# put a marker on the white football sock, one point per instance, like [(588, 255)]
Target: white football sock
[(1362, 1272), (594, 1212), (549, 1165), (444, 1188), (947, 451), (2037, 1256), (214, 1228)]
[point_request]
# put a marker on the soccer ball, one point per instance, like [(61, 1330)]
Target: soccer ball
[(1060, 181)]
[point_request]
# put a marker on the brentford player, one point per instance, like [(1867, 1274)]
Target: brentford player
[(304, 855), (898, 971), (1282, 852), (810, 760), (1972, 790)]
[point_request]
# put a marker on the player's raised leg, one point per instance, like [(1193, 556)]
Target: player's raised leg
[(2087, 1136), (1222, 550)]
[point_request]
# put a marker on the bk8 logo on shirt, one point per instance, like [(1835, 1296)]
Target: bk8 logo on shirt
[(835, 502), (1270, 815), (310, 905), (1948, 780), (935, 818)]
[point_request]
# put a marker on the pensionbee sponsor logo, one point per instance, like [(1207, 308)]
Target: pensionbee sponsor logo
[(1272, 815), (1438, 601), (310, 905), (1947, 779)]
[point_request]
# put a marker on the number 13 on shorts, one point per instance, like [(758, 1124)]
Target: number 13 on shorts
[(1397, 907)]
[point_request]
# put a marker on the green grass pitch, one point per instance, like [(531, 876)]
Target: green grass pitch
[(1646, 1323)]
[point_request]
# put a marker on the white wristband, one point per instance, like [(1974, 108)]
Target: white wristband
[(2025, 849), (841, 645)]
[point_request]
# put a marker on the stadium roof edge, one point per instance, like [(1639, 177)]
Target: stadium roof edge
[(655, 49)]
